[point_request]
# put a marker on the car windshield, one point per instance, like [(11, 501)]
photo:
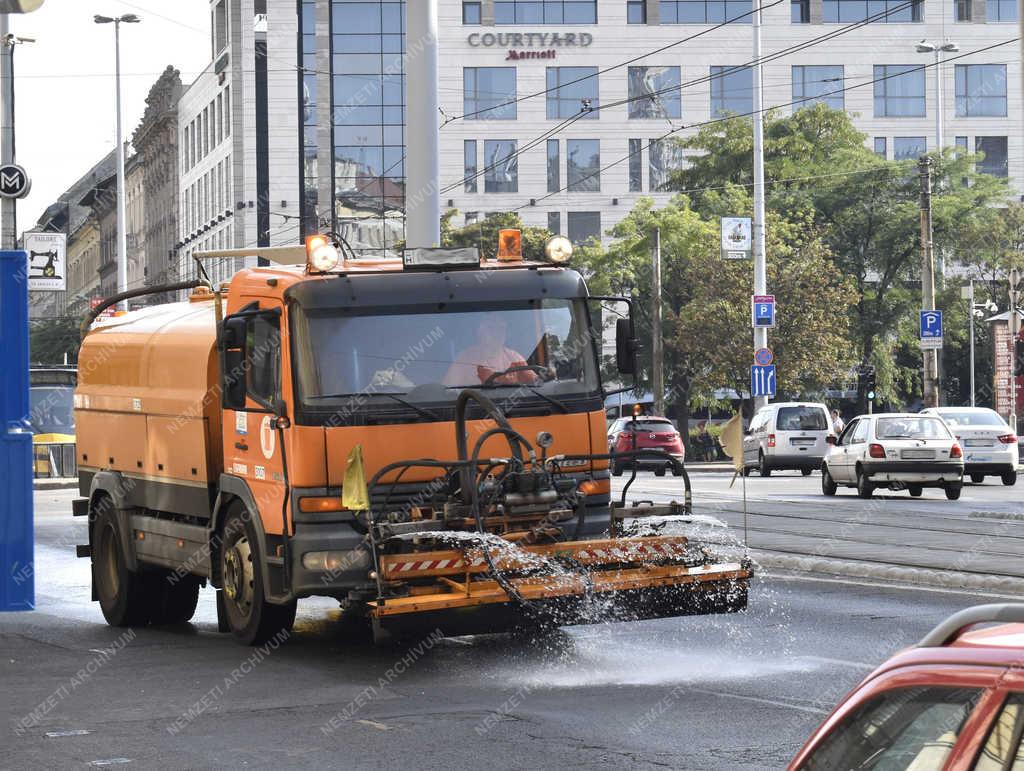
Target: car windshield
[(911, 428), (985, 419), (801, 419), (427, 354), (51, 409), (648, 425)]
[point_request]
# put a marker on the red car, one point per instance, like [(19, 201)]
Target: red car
[(650, 433), (954, 702)]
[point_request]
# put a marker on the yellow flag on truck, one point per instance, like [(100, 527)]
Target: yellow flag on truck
[(732, 440), (354, 495)]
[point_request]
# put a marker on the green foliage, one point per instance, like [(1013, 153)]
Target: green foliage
[(484, 234), (51, 339)]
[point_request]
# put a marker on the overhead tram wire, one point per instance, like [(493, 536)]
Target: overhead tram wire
[(641, 97), (625, 63), (725, 118)]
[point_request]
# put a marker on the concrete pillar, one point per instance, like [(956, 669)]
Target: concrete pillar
[(422, 126)]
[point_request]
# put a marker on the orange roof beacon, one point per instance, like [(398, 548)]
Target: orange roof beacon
[(422, 439)]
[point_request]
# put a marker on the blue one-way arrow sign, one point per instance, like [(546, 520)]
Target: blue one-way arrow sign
[(762, 380)]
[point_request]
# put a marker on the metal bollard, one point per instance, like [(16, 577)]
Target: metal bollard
[(17, 566)]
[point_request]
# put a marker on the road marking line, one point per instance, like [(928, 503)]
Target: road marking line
[(75, 732), (109, 762), (375, 724), (772, 702)]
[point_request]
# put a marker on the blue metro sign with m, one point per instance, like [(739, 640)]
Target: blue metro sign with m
[(931, 325)]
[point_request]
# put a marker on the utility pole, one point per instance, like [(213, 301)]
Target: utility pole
[(760, 268), (8, 206), (930, 356), (1014, 293), (657, 347), (970, 315), (422, 130)]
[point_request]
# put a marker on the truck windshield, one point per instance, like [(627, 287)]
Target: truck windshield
[(535, 350)]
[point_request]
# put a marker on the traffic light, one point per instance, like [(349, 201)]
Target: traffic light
[(1018, 358), (866, 382)]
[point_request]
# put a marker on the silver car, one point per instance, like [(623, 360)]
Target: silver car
[(990, 446), (897, 451)]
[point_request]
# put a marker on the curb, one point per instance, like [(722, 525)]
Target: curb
[(57, 483), (930, 577)]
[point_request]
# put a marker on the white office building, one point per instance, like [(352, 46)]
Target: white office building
[(558, 108)]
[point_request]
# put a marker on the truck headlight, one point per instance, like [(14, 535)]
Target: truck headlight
[(321, 255), (558, 249)]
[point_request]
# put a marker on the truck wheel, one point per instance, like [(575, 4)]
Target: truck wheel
[(125, 597), (864, 487), (953, 492), (1010, 478), (762, 466), (616, 469), (977, 478), (828, 485), (178, 599), (251, 618)]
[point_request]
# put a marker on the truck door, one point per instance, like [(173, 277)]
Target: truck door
[(253, 402)]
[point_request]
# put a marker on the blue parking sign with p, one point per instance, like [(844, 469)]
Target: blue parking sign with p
[(931, 325), (762, 310)]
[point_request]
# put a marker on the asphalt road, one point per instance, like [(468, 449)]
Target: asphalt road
[(729, 692), (983, 532)]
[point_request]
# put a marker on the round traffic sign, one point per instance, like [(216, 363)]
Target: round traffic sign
[(763, 356), (14, 181)]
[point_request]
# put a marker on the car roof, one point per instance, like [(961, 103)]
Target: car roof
[(940, 410), (796, 404), (893, 415)]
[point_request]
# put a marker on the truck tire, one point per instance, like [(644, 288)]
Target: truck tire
[(126, 598), (178, 599), (252, 620)]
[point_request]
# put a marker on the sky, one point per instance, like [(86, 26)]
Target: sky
[(64, 82)]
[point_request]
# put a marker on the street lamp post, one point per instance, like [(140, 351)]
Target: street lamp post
[(938, 49), (978, 310), (122, 235)]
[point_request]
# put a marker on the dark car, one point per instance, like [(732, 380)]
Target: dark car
[(642, 433)]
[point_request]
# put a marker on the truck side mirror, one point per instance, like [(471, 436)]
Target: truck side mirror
[(626, 346), (232, 344)]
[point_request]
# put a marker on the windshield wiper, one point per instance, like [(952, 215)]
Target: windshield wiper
[(414, 407), (560, 406)]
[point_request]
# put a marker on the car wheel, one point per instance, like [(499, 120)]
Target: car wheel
[(864, 487), (747, 471), (828, 485), (660, 471), (805, 472), (677, 471), (977, 478), (1010, 478), (915, 490), (953, 492), (616, 469), (762, 465)]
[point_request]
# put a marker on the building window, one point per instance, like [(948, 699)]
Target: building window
[(501, 172), (881, 150), (995, 161), (961, 145), (636, 11), (489, 93), (636, 165), (554, 167), (545, 12), (665, 157), (471, 12), (895, 11), (962, 10), (1001, 10), (469, 165), (704, 11), (654, 92), (220, 27), (732, 91), (800, 11), (817, 83), (907, 148), (899, 91), (572, 90), (980, 90), (583, 165), (584, 226), (555, 222)]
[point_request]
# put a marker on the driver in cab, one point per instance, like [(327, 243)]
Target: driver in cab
[(489, 357)]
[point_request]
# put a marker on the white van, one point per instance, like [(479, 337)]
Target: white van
[(787, 435)]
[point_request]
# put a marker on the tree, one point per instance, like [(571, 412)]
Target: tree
[(706, 301), (51, 339), (483, 234), (865, 207)]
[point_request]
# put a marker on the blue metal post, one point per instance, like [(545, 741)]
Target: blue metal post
[(17, 566)]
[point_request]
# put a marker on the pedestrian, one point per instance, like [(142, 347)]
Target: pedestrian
[(837, 422)]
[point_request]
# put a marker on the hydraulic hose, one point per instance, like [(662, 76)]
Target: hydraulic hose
[(466, 476)]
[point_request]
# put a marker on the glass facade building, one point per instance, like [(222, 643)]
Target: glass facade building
[(365, 181)]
